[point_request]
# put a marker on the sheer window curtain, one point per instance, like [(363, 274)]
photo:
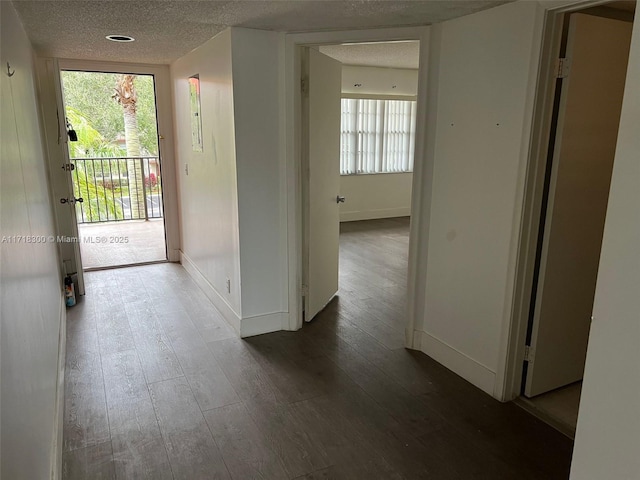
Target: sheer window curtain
[(377, 136)]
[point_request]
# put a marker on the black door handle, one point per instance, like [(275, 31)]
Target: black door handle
[(72, 201)]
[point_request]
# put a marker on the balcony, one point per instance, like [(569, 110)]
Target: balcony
[(120, 220), (115, 189), (127, 243)]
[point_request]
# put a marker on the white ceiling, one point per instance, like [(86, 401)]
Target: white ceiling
[(167, 29), (387, 55)]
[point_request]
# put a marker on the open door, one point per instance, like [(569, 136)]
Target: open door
[(321, 179), (50, 91), (591, 99), (115, 167)]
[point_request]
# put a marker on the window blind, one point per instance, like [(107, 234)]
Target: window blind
[(377, 136)]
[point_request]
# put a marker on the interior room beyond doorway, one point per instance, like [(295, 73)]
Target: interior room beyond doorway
[(373, 130), (373, 277)]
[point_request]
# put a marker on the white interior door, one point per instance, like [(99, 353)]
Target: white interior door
[(50, 91), (321, 180), (591, 98)]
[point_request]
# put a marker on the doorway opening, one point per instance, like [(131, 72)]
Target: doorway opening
[(115, 167), (359, 108), (590, 77)]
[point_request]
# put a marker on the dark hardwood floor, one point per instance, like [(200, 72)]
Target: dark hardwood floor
[(157, 386)]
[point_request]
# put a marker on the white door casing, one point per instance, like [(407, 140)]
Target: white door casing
[(50, 94)]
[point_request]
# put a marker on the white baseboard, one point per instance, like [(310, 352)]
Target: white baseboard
[(259, 324), (174, 255), (244, 327), (414, 339), (456, 361), (373, 214), (58, 427), (212, 294)]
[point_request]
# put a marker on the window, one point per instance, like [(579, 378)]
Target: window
[(377, 136)]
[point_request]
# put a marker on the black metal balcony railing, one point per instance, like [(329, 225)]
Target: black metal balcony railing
[(117, 188)]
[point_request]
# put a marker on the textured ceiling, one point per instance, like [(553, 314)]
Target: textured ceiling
[(165, 30), (388, 54)]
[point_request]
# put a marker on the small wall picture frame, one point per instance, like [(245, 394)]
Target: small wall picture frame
[(196, 118)]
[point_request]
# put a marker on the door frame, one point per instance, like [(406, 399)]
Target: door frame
[(511, 360), (164, 113), (421, 186)]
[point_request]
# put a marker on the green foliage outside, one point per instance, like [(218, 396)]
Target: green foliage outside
[(91, 143), (90, 95), (98, 120), (99, 202)]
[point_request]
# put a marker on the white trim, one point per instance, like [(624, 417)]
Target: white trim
[(421, 189), (58, 422), (259, 324), (379, 96), (292, 109), (164, 109), (244, 327), (417, 340), (363, 174), (284, 185), (291, 140), (373, 214), (539, 73), (212, 294), (456, 361)]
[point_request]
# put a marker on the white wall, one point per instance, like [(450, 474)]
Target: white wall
[(32, 310), (381, 195), (208, 193), (484, 69), (379, 81), (608, 432), (232, 201), (256, 59)]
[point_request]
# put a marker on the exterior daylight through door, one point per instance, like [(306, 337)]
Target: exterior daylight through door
[(115, 167)]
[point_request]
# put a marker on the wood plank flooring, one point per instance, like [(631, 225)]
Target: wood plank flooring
[(158, 387), (558, 407)]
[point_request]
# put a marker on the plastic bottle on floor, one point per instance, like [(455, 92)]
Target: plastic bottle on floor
[(69, 292)]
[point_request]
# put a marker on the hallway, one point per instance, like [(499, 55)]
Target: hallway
[(159, 387)]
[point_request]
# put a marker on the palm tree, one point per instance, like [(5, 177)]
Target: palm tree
[(125, 95), (99, 204)]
